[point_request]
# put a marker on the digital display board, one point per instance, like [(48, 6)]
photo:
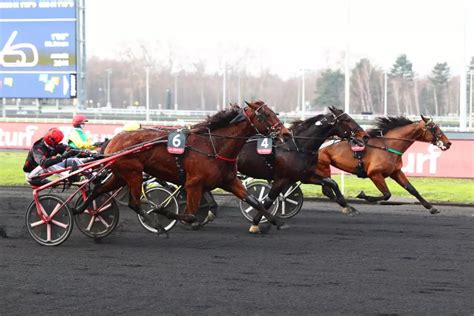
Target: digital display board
[(38, 57)]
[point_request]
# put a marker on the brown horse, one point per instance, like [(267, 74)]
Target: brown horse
[(294, 160), (208, 162), (383, 155)]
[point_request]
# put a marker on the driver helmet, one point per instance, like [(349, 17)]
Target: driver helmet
[(53, 137), (78, 120), (131, 126)]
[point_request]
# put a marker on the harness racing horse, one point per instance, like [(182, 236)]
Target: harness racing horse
[(294, 160), (209, 160), (383, 155)]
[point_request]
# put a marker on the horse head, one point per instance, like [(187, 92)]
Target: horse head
[(264, 120), (345, 125), (433, 134)]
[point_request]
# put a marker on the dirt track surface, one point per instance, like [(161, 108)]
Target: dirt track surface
[(388, 260)]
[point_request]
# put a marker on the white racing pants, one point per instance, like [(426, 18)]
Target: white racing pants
[(66, 162)]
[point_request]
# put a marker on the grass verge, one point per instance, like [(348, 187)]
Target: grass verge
[(432, 189)]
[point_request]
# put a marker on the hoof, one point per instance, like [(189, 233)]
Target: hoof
[(254, 229), (283, 226), (349, 210), (210, 217), (266, 228), (361, 195), (195, 226), (434, 210), (189, 218), (161, 232)]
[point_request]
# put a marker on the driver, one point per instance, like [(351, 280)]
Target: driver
[(48, 154), (77, 137)]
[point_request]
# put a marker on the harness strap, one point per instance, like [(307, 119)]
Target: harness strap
[(217, 156), (180, 164), (391, 150)]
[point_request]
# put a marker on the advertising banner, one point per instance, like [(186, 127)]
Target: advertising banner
[(422, 159)]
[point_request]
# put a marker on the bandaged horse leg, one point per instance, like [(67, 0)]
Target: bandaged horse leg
[(401, 179), (212, 204), (331, 190), (276, 189), (332, 186), (236, 187), (379, 181)]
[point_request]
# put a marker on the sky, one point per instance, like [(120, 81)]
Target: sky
[(286, 36)]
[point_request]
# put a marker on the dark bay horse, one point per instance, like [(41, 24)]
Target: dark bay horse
[(208, 162), (294, 160), (383, 155)]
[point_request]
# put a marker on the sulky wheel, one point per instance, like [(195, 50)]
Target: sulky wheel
[(100, 218), (260, 190), (159, 197), (122, 196), (291, 201), (52, 224), (204, 214)]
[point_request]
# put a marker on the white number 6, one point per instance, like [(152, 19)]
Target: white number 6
[(177, 140)]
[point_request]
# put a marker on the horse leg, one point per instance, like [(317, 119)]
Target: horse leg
[(194, 194), (331, 186), (236, 187), (276, 189), (134, 182), (379, 181), (331, 190), (402, 180), (212, 205), (112, 183)]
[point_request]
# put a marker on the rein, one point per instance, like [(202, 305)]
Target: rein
[(390, 150), (216, 155), (386, 148)]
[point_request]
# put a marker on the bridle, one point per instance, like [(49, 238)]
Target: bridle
[(431, 127), (335, 119), (270, 129), (329, 121)]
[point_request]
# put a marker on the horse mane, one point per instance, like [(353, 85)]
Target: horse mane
[(218, 120), (384, 124), (299, 124)]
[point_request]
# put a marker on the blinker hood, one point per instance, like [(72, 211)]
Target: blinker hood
[(238, 118)]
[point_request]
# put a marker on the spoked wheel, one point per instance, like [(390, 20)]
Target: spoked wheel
[(259, 190), (204, 214), (159, 197), (291, 201), (58, 222), (100, 218), (122, 196)]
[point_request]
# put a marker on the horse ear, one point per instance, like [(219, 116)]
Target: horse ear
[(332, 109), (247, 103), (425, 119)]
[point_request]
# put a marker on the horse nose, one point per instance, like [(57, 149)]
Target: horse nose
[(448, 144)]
